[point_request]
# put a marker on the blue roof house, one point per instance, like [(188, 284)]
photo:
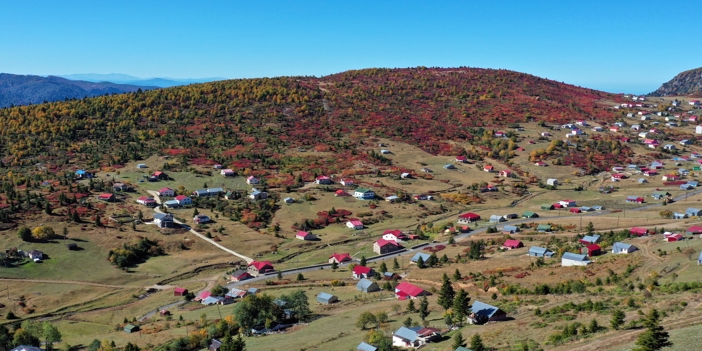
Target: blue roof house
[(678, 215), (326, 299), (416, 257), (623, 248), (365, 347), (693, 212), (483, 313), (570, 259), (536, 251), (366, 285)]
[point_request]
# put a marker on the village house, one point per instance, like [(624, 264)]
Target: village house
[(180, 292), (360, 272), (671, 237), (217, 166), (340, 258), (542, 228), (540, 164), (323, 180), (227, 172), (536, 251), (383, 246), (482, 313), (512, 244), (107, 197), (467, 218), (497, 219), (201, 219), (567, 203), (147, 201), (552, 181), (488, 168), (347, 182), (510, 229), (414, 337), (251, 180), (461, 159), (693, 212), (591, 250), (366, 347), (570, 259), (406, 290), (394, 235), (635, 199), (695, 229), (121, 187), (326, 298), (141, 165), (256, 268), (505, 173), (158, 175), (183, 200), (239, 275), (166, 192), (258, 195), (364, 194), (590, 239), (164, 220), (306, 236), (638, 231), (623, 248), (367, 286), (354, 224), (418, 255)]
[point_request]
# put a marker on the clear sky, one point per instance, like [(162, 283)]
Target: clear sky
[(612, 45)]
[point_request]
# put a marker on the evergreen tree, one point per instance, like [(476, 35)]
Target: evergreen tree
[(446, 294), (460, 306), (654, 337), (395, 264), (476, 343), (408, 322), (444, 259), (24, 233), (423, 308), (363, 261), (458, 340), (238, 344), (432, 260), (97, 221), (617, 319), (457, 275), (420, 262), (334, 266), (410, 306), (383, 268)]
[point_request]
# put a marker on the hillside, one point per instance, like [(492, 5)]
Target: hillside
[(688, 83), (142, 82), (22, 90), (243, 120)]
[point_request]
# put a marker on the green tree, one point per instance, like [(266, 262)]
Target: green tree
[(423, 308), (617, 319), (366, 319), (280, 275), (446, 294), (457, 275), (476, 343), (395, 264), (51, 335), (363, 261), (410, 306), (383, 268), (382, 317), (48, 209), (98, 223), (408, 322), (594, 326), (24, 337), (420, 262), (590, 228), (654, 337), (238, 344), (458, 340), (461, 304), (131, 347), (334, 266), (24, 233), (300, 277)]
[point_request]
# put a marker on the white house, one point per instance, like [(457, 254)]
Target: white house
[(698, 130), (571, 259), (227, 173), (252, 180), (354, 224), (552, 181), (623, 248), (166, 192)]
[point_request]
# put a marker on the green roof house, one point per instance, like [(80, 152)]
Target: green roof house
[(131, 328), (530, 214), (547, 207), (544, 228)]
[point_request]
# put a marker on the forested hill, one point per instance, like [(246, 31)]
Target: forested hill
[(243, 120), (23, 90), (686, 83)]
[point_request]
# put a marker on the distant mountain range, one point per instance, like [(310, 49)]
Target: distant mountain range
[(686, 83), (23, 90), (127, 79)]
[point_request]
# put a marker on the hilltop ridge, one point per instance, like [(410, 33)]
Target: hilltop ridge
[(685, 83)]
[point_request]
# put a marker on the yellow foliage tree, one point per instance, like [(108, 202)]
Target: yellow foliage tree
[(43, 232)]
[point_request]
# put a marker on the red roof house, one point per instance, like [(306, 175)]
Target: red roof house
[(461, 159), (240, 275), (202, 295), (672, 237), (362, 272), (302, 235), (695, 229), (512, 244), (468, 217), (257, 268), (638, 231), (488, 168), (406, 290), (106, 197), (591, 250), (339, 258), (180, 292), (575, 210), (383, 246), (341, 193)]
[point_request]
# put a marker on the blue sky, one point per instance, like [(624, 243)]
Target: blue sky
[(618, 46)]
